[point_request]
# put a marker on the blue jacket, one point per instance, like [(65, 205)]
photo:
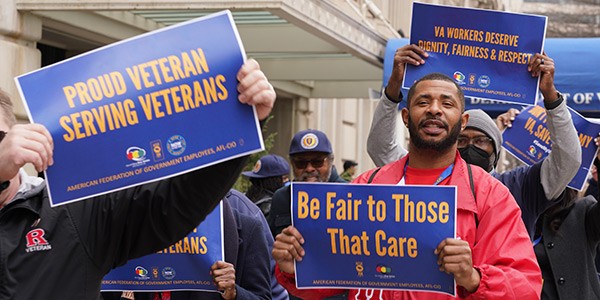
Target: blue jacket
[(245, 207), (527, 176)]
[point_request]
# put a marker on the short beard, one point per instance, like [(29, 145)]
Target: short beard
[(440, 146)]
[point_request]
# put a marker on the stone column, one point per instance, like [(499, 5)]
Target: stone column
[(19, 33)]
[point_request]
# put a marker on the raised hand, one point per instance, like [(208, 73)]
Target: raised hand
[(255, 89)]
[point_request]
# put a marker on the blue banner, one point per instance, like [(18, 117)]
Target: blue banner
[(143, 109), (373, 236), (486, 52), (577, 77), (529, 140), (184, 265)]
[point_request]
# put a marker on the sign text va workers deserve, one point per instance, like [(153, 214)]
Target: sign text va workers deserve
[(373, 236), (154, 105), (486, 52), (483, 52)]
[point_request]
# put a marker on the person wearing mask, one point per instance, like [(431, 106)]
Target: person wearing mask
[(269, 174), (535, 187), (491, 256), (64, 252)]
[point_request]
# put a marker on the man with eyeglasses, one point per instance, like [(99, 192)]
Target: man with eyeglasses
[(534, 187), (312, 157)]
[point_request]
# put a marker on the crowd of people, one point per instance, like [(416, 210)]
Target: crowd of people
[(520, 234)]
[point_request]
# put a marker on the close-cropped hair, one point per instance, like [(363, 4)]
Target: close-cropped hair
[(436, 76), (7, 109)]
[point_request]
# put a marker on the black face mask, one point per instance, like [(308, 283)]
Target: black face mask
[(475, 156)]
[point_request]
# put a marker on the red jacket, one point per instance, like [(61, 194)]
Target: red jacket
[(501, 248)]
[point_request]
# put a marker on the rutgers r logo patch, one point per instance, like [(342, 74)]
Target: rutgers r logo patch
[(36, 241)]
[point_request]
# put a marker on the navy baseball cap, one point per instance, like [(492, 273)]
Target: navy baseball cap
[(269, 165), (310, 140)]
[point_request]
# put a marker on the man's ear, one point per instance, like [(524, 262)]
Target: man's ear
[(405, 116), (464, 119)]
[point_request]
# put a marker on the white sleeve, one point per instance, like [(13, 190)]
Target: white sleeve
[(383, 143), (561, 165)]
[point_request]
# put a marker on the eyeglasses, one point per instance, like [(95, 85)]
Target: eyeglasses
[(302, 163), (479, 141)]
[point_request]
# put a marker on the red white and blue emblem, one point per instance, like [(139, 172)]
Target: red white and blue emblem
[(36, 241)]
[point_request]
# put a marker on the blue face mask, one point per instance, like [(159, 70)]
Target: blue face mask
[(476, 156)]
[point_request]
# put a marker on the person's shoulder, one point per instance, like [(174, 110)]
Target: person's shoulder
[(250, 227), (282, 191), (520, 173), (481, 176), (478, 171), (587, 200), (489, 188), (245, 221), (386, 170), (364, 177), (241, 203), (346, 177)]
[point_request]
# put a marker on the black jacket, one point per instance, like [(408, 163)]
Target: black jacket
[(280, 216), (64, 252), (566, 257)]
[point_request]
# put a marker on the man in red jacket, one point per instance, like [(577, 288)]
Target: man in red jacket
[(492, 256)]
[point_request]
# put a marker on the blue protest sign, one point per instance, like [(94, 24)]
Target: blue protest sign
[(184, 265), (373, 236), (492, 107), (486, 52), (576, 77), (143, 109), (529, 140)]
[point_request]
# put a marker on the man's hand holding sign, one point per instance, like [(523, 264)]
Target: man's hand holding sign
[(455, 257), (22, 144), (411, 54), (255, 89)]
